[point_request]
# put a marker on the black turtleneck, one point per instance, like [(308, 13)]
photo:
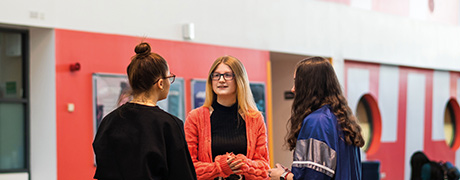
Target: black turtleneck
[(228, 130)]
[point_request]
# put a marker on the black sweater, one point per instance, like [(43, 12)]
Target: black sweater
[(228, 130), (137, 142)]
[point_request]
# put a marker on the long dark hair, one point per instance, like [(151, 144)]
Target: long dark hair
[(145, 69), (316, 84), (417, 160)]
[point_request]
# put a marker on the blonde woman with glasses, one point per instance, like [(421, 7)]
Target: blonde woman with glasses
[(227, 135)]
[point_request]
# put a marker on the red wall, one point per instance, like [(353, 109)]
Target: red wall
[(393, 163), (105, 53), (396, 7)]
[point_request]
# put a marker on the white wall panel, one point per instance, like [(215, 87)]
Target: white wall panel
[(418, 9), (363, 4), (29, 12), (415, 117), (358, 85), (297, 26), (43, 156), (441, 93), (388, 101), (458, 90)]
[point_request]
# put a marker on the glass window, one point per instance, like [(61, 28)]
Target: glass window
[(13, 101), (12, 136), (11, 62)]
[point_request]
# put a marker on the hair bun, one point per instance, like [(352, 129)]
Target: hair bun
[(142, 49)]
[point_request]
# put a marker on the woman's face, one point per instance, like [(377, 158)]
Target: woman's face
[(224, 85), (166, 85), (293, 86)]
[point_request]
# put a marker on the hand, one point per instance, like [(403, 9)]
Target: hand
[(235, 164), (275, 173)]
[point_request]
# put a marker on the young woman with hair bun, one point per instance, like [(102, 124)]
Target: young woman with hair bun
[(138, 140)]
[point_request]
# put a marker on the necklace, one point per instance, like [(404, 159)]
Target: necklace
[(143, 103)]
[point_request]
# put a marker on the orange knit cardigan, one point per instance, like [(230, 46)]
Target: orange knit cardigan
[(198, 135)]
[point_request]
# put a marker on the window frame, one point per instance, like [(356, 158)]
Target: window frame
[(25, 99)]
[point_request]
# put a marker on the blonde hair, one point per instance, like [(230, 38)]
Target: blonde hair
[(246, 104)]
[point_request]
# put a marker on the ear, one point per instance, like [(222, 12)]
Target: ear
[(160, 84)]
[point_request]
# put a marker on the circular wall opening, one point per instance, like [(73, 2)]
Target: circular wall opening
[(365, 121), (368, 115), (452, 124)]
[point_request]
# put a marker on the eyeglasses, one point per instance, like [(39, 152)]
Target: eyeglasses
[(227, 76), (171, 78)]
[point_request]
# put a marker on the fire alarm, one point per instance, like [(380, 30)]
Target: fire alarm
[(75, 67)]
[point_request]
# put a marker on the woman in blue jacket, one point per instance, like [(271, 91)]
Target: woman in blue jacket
[(323, 133)]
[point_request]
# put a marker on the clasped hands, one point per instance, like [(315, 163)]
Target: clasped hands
[(235, 163)]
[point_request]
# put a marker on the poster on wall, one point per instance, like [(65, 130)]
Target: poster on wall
[(258, 91), (109, 92), (199, 93), (112, 90), (175, 101)]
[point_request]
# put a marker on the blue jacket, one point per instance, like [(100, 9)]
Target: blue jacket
[(321, 152)]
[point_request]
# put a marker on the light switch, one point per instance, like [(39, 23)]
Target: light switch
[(70, 107)]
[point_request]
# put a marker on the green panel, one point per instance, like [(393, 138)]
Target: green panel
[(12, 140)]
